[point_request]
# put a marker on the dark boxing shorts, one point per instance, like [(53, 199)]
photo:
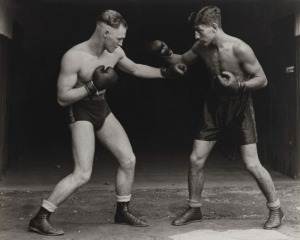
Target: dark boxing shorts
[(93, 110), (227, 112)]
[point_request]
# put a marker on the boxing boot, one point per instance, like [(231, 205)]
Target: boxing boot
[(124, 216), (41, 224), (275, 218), (192, 214)]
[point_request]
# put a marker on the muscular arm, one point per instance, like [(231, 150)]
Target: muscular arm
[(138, 70), (187, 58), (66, 93), (251, 66)]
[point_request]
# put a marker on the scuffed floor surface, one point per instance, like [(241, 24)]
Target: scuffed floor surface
[(230, 213)]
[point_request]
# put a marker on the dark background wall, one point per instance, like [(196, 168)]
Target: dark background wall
[(158, 115)]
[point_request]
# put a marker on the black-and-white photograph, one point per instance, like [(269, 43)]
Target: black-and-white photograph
[(150, 119)]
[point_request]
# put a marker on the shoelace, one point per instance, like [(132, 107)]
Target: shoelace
[(274, 215)]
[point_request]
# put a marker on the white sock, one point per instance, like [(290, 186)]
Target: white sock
[(48, 206), (274, 205), (123, 198), (194, 203)]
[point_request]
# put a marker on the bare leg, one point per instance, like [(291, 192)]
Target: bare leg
[(201, 150), (83, 144), (83, 147), (265, 183), (260, 174), (113, 136)]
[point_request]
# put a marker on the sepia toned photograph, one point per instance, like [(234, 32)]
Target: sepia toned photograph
[(150, 119)]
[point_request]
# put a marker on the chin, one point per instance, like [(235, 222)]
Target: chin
[(111, 50)]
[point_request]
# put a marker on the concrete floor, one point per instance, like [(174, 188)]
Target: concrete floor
[(233, 206)]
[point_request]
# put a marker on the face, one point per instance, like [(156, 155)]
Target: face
[(114, 37), (205, 34)]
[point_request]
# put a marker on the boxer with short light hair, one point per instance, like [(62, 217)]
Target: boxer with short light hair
[(87, 70), (235, 72)]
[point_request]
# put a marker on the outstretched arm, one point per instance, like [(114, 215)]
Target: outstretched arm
[(161, 49), (145, 71), (138, 70)]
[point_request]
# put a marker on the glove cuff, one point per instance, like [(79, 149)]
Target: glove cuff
[(91, 88)]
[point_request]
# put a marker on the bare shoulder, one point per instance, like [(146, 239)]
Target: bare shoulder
[(73, 53), (197, 48), (73, 58), (119, 53), (240, 47)]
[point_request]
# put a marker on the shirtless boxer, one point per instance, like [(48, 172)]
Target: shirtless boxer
[(87, 69), (235, 73)]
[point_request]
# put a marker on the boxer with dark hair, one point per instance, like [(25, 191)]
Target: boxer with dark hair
[(235, 73), (87, 69)]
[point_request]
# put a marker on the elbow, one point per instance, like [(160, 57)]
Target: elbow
[(61, 102), (265, 82), (261, 82)]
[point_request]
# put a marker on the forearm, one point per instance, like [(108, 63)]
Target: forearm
[(228, 81), (255, 83), (144, 71), (71, 96)]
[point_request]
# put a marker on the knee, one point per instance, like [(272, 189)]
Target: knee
[(197, 162), (254, 168), (82, 177), (128, 163)]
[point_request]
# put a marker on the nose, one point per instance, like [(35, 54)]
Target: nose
[(197, 36)]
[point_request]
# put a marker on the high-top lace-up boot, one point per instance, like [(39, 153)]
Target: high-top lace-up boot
[(124, 216), (275, 218), (41, 224), (192, 214)]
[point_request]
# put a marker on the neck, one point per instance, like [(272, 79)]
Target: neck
[(95, 44), (219, 39)]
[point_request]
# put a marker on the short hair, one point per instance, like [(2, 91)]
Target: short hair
[(208, 15), (112, 18)]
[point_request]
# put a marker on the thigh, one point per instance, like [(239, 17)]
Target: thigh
[(211, 124), (83, 144), (113, 136)]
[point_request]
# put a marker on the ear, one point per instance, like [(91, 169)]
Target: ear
[(106, 32), (215, 27)]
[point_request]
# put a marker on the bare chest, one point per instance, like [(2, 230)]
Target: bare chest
[(220, 60), (90, 63)]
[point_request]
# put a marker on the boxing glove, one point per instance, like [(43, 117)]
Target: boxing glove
[(102, 78), (160, 48), (174, 71), (229, 82)]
